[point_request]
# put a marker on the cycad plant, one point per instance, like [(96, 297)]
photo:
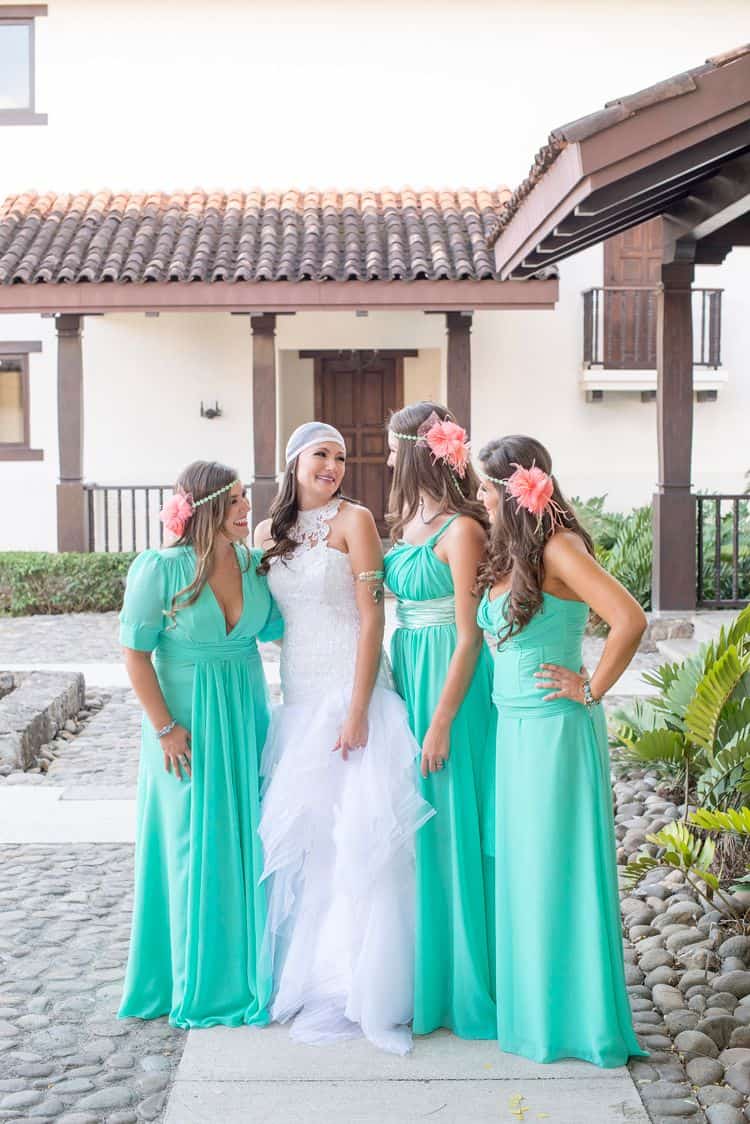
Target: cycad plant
[(695, 732)]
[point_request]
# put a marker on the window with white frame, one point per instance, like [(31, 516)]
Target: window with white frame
[(17, 64)]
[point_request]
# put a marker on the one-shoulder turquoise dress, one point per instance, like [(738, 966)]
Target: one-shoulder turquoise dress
[(199, 911), (454, 985), (560, 971)]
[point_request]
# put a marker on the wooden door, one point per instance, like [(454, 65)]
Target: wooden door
[(632, 273), (356, 391)]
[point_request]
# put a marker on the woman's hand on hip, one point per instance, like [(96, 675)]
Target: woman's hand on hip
[(435, 749), (176, 749), (354, 735), (561, 682)]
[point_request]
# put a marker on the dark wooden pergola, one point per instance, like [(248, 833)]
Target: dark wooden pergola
[(679, 150)]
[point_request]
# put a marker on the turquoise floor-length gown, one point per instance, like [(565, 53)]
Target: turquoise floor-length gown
[(198, 911), (560, 971), (454, 985)]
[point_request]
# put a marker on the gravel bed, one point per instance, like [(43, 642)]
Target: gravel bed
[(688, 976)]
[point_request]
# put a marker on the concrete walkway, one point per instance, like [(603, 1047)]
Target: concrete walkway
[(238, 1076)]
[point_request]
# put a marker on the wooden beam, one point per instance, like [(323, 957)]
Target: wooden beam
[(264, 487), (72, 533), (674, 574), (276, 296), (458, 328)]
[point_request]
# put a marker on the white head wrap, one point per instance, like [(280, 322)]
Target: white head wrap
[(309, 434)]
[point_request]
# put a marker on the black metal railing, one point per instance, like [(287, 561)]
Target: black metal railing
[(619, 328), (723, 550), (125, 517)]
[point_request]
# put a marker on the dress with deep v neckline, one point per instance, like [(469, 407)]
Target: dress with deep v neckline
[(199, 910), (454, 965), (228, 631)]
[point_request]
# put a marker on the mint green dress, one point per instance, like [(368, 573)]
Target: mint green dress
[(560, 972), (198, 910), (454, 985)]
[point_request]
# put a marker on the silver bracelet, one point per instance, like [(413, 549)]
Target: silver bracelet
[(588, 696), (166, 729)]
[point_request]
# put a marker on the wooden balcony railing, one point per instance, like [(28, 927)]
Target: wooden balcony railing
[(619, 328), (125, 517), (723, 551)]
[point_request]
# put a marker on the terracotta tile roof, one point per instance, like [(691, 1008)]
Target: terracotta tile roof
[(249, 236), (614, 111)]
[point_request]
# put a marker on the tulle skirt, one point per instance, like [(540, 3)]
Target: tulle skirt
[(338, 840)]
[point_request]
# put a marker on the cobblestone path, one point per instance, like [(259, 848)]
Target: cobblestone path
[(87, 637), (63, 1054)]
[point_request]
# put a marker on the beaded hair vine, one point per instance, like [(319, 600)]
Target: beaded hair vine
[(447, 441), (179, 508)]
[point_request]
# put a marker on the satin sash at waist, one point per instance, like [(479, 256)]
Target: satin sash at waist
[(426, 614), (218, 651), (541, 709)]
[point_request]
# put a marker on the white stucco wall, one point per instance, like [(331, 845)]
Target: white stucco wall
[(165, 94)]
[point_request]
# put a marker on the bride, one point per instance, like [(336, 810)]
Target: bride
[(340, 803)]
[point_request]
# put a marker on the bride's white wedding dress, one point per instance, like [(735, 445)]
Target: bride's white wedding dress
[(338, 835)]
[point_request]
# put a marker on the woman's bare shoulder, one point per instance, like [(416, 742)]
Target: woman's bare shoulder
[(262, 535)]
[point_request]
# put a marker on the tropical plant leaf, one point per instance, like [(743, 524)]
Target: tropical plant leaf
[(737, 635), (711, 694), (676, 697), (683, 849), (637, 868), (628, 725), (721, 784), (663, 747), (734, 723), (735, 820)]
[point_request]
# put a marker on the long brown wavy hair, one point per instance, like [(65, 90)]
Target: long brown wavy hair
[(517, 539), (415, 471), (284, 512), (200, 479)]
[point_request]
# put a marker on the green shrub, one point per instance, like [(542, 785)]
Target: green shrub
[(36, 582), (624, 544)]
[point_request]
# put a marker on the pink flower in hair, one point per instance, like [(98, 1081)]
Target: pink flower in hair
[(531, 488), (177, 513), (447, 442)]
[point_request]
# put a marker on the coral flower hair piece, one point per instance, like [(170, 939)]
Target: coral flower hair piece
[(177, 513), (533, 490), (447, 442)]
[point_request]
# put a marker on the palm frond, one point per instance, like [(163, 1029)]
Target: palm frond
[(722, 783), (711, 694), (735, 820)]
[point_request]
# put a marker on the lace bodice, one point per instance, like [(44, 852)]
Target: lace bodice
[(314, 588)]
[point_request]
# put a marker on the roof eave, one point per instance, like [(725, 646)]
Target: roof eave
[(719, 103), (278, 296)]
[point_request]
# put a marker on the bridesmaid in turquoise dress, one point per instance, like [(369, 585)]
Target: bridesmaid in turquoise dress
[(198, 912), (443, 670), (560, 972)]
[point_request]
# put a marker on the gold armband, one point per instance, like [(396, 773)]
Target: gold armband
[(375, 579)]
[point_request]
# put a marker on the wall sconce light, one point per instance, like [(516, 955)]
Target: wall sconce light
[(210, 411)]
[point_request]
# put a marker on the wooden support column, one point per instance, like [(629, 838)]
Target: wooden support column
[(264, 485), (674, 575), (72, 532), (458, 327)]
